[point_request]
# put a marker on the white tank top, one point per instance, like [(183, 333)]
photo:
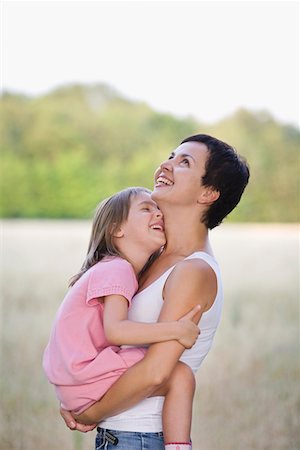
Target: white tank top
[(145, 307)]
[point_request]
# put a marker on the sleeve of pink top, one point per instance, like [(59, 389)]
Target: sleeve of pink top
[(115, 276)]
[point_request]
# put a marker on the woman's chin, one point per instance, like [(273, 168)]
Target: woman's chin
[(159, 193)]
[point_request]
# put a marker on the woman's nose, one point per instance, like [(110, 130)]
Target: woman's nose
[(166, 165)]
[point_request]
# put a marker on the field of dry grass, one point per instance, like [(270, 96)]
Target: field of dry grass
[(248, 388)]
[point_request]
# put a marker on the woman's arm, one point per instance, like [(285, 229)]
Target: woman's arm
[(120, 331), (144, 378)]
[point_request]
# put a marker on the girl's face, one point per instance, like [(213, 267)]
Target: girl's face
[(144, 225), (178, 179)]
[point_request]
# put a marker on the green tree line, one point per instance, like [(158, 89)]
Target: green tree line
[(63, 152)]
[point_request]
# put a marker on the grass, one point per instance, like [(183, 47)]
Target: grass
[(248, 387)]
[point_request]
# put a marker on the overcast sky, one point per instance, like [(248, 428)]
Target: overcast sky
[(200, 58)]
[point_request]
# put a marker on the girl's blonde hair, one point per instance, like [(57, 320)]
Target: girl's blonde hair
[(110, 214)]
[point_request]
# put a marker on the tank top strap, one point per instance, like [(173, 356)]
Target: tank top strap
[(209, 259)]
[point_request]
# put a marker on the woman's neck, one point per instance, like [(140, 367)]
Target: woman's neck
[(184, 232)]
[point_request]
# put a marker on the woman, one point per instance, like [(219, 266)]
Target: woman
[(196, 188)]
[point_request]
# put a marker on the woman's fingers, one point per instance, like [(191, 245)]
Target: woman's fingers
[(68, 418), (72, 424), (84, 428)]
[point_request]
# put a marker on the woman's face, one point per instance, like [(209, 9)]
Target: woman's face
[(178, 179)]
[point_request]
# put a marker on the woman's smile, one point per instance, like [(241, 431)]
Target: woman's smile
[(163, 181)]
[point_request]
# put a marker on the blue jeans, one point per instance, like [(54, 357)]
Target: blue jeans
[(128, 440)]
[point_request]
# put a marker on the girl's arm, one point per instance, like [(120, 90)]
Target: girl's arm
[(144, 378), (120, 331)]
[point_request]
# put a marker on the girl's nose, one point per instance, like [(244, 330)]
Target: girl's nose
[(158, 214)]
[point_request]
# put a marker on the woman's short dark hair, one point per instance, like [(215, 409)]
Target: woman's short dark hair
[(225, 171)]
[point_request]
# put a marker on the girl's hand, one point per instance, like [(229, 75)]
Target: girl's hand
[(189, 331), (72, 424)]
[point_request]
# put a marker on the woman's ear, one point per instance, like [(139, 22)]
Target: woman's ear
[(208, 196)]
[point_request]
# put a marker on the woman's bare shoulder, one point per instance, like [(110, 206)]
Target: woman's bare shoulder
[(192, 269), (194, 281)]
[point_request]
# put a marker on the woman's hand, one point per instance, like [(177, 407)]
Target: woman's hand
[(189, 331), (73, 424)]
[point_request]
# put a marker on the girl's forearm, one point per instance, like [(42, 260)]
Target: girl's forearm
[(127, 332)]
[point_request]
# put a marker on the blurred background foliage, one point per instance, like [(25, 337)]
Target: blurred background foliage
[(65, 151)]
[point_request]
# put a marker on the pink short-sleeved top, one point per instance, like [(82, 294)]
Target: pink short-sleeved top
[(78, 352)]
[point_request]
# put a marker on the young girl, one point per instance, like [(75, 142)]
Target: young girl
[(83, 358)]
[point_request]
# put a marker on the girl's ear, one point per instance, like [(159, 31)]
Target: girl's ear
[(118, 232), (208, 196)]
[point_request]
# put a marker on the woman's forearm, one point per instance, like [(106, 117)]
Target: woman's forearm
[(144, 378), (137, 383)]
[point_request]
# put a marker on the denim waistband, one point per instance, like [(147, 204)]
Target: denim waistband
[(102, 431)]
